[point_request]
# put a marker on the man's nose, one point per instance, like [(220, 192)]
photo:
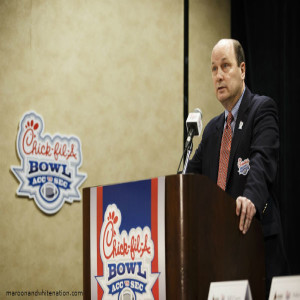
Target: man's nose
[(219, 74)]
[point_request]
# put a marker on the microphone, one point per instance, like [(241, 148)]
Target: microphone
[(193, 125)]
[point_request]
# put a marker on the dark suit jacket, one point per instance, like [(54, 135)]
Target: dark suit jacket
[(256, 137)]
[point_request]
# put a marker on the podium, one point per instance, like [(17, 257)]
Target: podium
[(180, 234)]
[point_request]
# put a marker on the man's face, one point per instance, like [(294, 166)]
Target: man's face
[(228, 78)]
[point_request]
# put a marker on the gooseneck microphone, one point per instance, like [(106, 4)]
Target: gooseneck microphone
[(194, 127)]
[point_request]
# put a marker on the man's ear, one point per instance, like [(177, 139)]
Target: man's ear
[(243, 70)]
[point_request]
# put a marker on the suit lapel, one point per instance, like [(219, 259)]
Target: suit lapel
[(238, 132)]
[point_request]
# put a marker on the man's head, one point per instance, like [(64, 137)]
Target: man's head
[(228, 71)]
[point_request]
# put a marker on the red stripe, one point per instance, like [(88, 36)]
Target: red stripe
[(99, 225), (154, 199)]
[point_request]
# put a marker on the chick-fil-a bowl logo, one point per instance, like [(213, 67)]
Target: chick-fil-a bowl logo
[(126, 259), (49, 165)]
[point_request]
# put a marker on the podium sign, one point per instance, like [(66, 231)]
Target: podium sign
[(126, 240)]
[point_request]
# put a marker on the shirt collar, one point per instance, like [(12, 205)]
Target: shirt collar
[(235, 109)]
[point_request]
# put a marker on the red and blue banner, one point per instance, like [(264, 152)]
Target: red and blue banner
[(127, 240)]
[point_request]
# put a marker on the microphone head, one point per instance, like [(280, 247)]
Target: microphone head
[(194, 121), (198, 110)]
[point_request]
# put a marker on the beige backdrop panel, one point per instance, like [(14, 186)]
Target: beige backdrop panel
[(109, 72), (209, 22)]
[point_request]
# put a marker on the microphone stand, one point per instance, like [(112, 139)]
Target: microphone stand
[(188, 153)]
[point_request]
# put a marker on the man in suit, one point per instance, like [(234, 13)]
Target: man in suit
[(240, 150)]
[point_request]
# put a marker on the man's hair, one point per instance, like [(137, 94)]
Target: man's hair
[(239, 52)]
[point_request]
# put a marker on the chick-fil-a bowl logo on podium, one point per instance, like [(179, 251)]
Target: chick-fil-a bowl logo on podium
[(49, 165), (126, 259)]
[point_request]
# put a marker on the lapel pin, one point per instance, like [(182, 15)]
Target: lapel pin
[(241, 125)]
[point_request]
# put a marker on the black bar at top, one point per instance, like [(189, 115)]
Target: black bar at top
[(185, 68)]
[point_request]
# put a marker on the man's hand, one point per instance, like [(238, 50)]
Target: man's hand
[(246, 210)]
